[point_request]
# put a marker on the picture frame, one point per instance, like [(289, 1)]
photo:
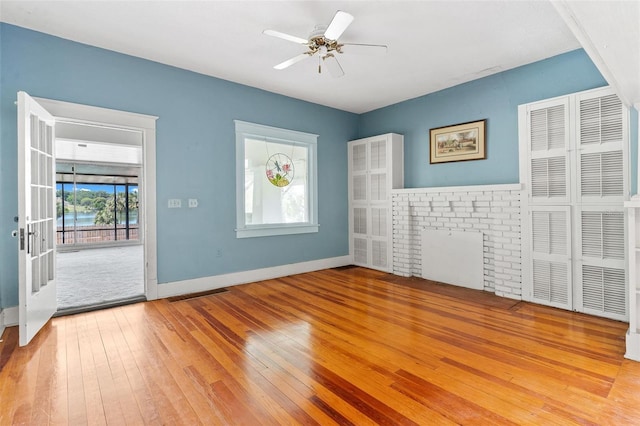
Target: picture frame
[(460, 142)]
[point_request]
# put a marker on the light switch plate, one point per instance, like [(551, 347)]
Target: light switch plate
[(175, 203)]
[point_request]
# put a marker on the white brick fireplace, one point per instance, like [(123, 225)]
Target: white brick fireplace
[(493, 210)]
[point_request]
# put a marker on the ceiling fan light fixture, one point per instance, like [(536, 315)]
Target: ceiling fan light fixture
[(323, 40)]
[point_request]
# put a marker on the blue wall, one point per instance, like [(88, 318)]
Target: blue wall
[(195, 152), (196, 145), (495, 98)]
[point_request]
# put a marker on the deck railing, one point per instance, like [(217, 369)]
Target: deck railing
[(95, 234)]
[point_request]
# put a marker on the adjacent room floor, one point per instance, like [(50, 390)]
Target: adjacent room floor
[(99, 276)]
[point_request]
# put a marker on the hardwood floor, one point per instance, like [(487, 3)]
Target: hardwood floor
[(342, 346)]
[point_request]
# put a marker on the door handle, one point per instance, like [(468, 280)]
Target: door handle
[(29, 236)]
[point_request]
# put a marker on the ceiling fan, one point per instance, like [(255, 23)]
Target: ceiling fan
[(323, 41)]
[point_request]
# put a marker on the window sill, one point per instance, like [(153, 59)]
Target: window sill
[(269, 230)]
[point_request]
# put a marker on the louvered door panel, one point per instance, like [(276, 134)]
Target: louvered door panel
[(360, 220), (600, 120), (379, 242), (549, 178), (604, 292), (548, 145), (601, 266), (548, 128), (601, 161), (551, 255), (360, 251), (551, 283), (601, 174), (359, 158), (378, 185), (378, 154), (379, 253), (359, 197), (359, 187), (602, 234), (379, 221)]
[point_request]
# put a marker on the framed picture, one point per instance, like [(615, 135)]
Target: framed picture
[(462, 142)]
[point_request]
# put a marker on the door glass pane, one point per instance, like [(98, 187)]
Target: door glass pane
[(35, 198), (35, 274), (35, 132), (35, 168)]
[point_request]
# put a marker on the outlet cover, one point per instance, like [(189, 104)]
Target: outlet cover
[(193, 202)]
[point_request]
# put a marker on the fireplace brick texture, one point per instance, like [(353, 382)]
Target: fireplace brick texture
[(493, 210)]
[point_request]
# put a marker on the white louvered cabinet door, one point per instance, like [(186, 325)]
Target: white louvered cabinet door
[(358, 173), (360, 251), (378, 154), (601, 262), (379, 195), (548, 147), (359, 198), (360, 230), (577, 180), (600, 138), (375, 168), (551, 255), (379, 238), (378, 170)]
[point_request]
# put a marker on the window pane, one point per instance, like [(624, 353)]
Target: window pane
[(275, 182)]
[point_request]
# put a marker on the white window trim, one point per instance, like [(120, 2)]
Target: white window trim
[(273, 134)]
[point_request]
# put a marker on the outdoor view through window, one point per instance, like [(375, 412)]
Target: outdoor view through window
[(96, 213)]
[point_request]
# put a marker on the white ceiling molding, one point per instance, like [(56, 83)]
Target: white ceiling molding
[(609, 31)]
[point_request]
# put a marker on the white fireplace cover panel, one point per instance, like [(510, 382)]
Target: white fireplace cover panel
[(453, 258)]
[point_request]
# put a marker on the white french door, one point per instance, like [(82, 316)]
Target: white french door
[(36, 217)]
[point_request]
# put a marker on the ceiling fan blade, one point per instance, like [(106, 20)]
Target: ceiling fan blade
[(341, 20), (284, 36), (333, 65), (292, 61), (363, 49)]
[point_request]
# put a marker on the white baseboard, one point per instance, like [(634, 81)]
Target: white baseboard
[(633, 346), (8, 317), (178, 288)]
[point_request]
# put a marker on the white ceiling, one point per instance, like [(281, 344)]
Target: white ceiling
[(432, 45)]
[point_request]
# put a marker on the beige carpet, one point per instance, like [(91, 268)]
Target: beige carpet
[(96, 276)]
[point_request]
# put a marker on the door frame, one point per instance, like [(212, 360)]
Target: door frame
[(146, 124)]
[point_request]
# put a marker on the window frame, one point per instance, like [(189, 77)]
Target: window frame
[(254, 131)]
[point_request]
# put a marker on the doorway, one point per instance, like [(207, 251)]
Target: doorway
[(106, 215), (38, 123), (100, 252)]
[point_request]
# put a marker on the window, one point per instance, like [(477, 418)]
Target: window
[(275, 181)]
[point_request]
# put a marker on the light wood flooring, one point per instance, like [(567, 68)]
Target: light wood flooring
[(345, 346)]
